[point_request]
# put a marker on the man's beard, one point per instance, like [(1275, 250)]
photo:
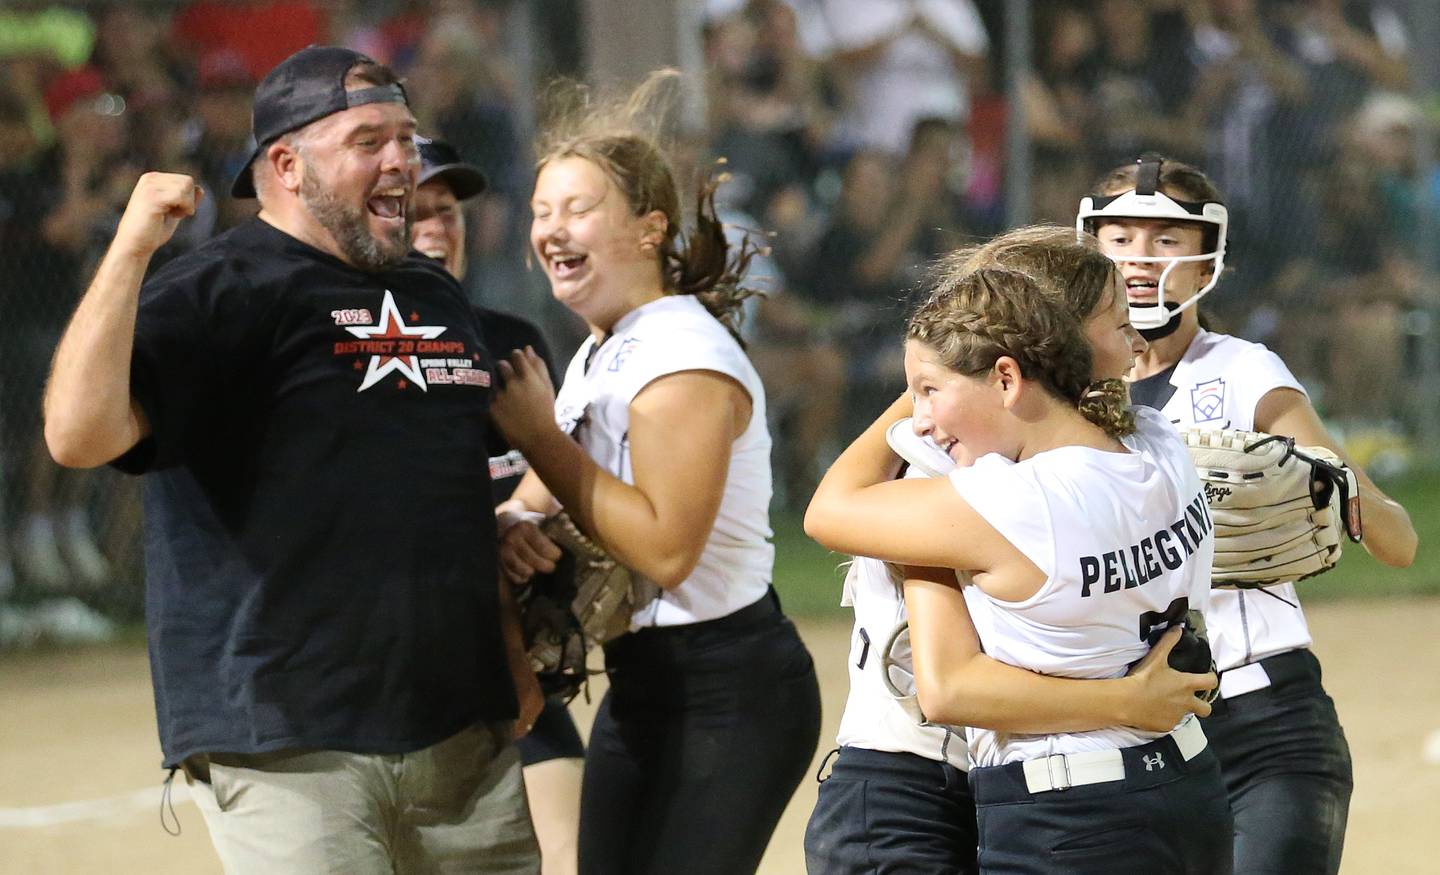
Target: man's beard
[(351, 227)]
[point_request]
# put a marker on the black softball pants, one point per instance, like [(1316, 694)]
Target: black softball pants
[(553, 737), (704, 734), (1170, 820), (886, 813), (1287, 770)]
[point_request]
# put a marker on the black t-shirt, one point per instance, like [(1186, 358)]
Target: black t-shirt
[(320, 553), (504, 332)]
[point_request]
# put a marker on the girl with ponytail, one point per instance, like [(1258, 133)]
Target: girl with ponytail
[(1052, 547), (658, 449)]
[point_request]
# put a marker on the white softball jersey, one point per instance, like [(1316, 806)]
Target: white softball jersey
[(667, 336), (873, 719), (1218, 384), (1126, 543)]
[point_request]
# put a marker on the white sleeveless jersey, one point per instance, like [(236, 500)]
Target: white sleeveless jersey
[(1126, 545), (673, 334), (1218, 384), (873, 719)]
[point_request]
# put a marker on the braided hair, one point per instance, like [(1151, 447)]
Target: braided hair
[(993, 312)]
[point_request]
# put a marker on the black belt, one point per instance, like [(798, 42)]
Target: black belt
[(760, 609), (650, 652), (1289, 671)]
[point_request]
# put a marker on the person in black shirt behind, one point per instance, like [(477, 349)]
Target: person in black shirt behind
[(552, 753), (335, 666)]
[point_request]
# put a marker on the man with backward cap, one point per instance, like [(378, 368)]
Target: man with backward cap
[(335, 667)]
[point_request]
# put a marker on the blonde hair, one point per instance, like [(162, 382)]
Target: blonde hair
[(991, 312), (623, 137)]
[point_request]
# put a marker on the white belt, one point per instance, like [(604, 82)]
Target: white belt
[(1243, 679), (1062, 771)]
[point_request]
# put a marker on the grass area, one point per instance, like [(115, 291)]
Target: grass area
[(1359, 576), (808, 576)]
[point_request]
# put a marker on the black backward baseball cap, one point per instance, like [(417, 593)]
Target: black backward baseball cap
[(306, 87), (440, 160)]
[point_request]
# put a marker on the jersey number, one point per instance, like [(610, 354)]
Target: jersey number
[(1154, 623)]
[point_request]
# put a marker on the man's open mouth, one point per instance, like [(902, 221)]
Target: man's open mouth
[(388, 203)]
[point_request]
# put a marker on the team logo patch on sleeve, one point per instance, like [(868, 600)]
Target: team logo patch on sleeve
[(1207, 400)]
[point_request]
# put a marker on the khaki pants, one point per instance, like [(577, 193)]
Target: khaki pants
[(457, 806)]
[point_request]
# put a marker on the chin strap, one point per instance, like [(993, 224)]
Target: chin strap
[(1170, 327)]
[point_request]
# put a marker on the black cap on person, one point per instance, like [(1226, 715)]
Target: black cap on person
[(306, 87), (439, 160)]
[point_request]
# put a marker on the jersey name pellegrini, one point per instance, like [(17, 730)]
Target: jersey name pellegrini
[(1217, 384), (1075, 512), (1140, 563)]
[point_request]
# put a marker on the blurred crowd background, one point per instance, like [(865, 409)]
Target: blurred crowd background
[(860, 138)]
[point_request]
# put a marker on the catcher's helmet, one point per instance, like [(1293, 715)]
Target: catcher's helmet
[(1146, 201)]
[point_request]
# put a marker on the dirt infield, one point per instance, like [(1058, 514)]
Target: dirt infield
[(80, 783)]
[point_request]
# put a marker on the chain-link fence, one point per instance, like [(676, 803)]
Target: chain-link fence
[(873, 135), (1305, 116), (91, 95), (867, 135)]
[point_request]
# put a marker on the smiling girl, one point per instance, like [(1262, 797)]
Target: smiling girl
[(658, 449), (897, 795), (1021, 546), (1274, 728)]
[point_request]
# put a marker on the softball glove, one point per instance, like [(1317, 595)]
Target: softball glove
[(1281, 512), (586, 601)]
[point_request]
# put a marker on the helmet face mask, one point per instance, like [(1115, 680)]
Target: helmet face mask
[(1146, 202)]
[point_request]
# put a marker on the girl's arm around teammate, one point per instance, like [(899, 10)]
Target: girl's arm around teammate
[(858, 509), (959, 685)]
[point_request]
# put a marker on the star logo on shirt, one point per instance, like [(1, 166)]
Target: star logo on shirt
[(392, 327)]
